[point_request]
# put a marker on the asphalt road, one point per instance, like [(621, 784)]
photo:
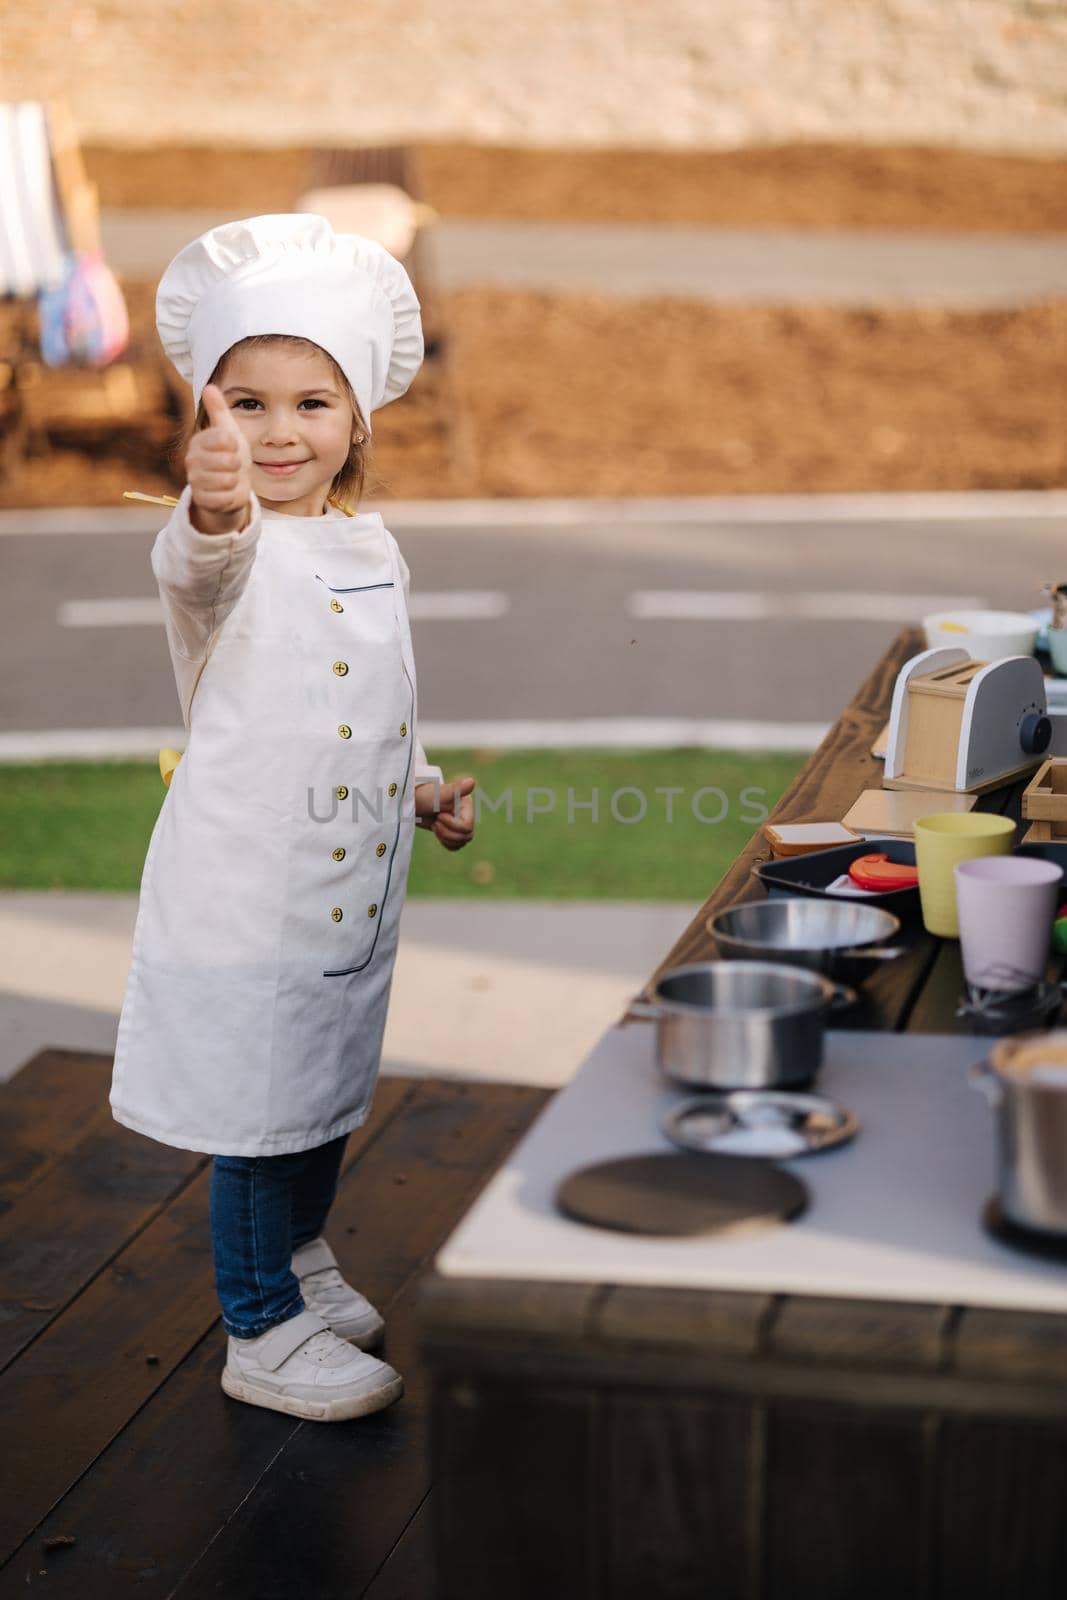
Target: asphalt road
[(560, 620)]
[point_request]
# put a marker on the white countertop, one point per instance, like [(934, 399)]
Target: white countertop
[(893, 1215)]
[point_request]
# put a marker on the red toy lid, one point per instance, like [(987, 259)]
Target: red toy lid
[(879, 873)]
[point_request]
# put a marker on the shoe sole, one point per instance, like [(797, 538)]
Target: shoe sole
[(360, 1405)]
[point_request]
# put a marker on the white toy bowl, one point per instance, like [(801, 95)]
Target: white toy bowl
[(985, 635)]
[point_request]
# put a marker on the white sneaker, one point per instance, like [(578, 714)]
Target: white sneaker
[(301, 1367), (343, 1309)]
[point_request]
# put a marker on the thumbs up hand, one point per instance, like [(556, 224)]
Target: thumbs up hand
[(218, 466)]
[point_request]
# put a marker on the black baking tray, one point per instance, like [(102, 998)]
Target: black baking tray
[(811, 873), (1054, 851)]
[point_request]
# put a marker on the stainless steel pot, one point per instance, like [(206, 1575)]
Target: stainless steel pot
[(740, 1024), (831, 936), (1031, 1113)]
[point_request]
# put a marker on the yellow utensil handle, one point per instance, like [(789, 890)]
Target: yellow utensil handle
[(168, 760), (153, 499)]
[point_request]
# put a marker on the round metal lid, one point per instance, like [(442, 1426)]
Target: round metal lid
[(764, 1123), (682, 1194)]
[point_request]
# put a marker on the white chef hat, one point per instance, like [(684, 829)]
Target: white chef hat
[(291, 273)]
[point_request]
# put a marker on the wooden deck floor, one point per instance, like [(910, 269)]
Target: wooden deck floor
[(126, 1469)]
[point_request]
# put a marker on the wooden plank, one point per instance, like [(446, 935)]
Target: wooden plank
[(682, 1497), (888, 996), (410, 1573), (1010, 1346), (934, 1010), (453, 1310), (75, 1388), (514, 1499), (45, 1109), (871, 1335), (580, 1332), (1000, 1527), (199, 1455), (68, 1227), (78, 197), (845, 1508), (452, 1136), (718, 1323)]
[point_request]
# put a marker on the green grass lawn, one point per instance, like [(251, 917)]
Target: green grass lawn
[(86, 825)]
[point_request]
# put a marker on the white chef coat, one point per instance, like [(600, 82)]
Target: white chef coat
[(277, 869)]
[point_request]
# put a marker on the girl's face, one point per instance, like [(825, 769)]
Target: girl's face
[(297, 421)]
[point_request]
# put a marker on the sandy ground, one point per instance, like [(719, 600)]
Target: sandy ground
[(815, 185), (579, 394), (566, 393)]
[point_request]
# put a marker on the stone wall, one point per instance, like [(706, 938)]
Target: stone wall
[(986, 74)]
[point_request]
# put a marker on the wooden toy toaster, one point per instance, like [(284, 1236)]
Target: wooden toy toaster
[(963, 724)]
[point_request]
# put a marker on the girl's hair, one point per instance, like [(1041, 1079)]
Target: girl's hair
[(347, 485)]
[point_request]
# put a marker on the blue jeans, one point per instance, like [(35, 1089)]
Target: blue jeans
[(262, 1209)]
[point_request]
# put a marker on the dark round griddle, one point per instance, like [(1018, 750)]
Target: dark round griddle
[(682, 1194), (1048, 1246)]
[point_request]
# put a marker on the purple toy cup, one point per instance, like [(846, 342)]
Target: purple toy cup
[(1007, 905)]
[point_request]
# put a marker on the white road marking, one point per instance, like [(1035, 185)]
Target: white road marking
[(481, 605), (132, 613), (447, 605), (583, 733), (458, 605), (744, 605)]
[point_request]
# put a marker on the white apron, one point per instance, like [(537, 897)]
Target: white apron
[(271, 897)]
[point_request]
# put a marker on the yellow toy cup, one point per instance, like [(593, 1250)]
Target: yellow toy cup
[(941, 841)]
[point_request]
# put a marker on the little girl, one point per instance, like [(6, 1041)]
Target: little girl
[(274, 880)]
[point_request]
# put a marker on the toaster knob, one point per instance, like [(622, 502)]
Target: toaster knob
[(1035, 733)]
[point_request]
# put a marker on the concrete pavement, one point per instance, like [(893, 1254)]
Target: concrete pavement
[(504, 991), (831, 266)]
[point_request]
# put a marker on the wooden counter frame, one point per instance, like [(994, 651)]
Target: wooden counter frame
[(607, 1442)]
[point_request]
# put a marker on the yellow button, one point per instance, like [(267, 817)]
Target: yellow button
[(340, 667), (337, 913), (380, 850), (372, 911), (342, 791), (403, 729), (335, 605), (339, 853), (392, 790), (345, 731)]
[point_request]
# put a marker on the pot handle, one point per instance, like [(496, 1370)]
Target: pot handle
[(643, 1010), (981, 1076), (842, 998), (886, 952)]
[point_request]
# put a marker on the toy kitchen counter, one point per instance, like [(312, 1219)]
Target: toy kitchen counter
[(858, 1389)]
